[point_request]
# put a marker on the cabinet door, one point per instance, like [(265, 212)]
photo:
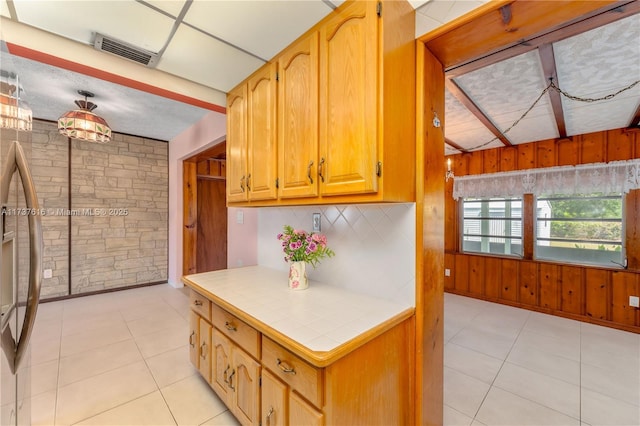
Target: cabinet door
[(221, 365), (262, 143), (274, 401), (237, 144), (245, 382), (298, 119), (301, 413), (349, 101), (194, 339), (204, 351)]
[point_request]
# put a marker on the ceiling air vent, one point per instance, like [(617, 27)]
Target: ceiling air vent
[(125, 50)]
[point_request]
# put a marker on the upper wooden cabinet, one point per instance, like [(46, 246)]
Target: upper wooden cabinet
[(345, 111), (298, 118), (251, 131)]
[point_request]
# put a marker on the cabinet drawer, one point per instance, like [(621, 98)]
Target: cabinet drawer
[(237, 330), (200, 304), (301, 376)]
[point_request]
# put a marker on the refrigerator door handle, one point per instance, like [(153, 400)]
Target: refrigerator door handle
[(16, 160)]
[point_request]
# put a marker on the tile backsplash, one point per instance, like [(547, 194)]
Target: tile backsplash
[(374, 246)]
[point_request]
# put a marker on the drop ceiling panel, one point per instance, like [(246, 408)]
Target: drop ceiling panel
[(79, 20), (198, 57), (597, 63), (435, 13), (505, 90), (463, 128), (173, 7), (263, 28)]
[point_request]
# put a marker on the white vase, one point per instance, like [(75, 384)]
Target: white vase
[(298, 276)]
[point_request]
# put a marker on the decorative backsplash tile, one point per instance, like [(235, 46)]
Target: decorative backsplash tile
[(374, 246)]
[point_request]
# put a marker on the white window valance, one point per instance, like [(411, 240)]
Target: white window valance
[(616, 176)]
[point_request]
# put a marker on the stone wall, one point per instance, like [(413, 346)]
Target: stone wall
[(115, 223)]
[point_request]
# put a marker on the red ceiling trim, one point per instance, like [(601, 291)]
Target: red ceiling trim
[(25, 52)]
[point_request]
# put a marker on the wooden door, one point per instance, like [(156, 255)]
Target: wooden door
[(301, 413), (221, 365), (194, 339), (298, 119), (262, 143), (237, 144), (246, 388), (211, 241), (204, 351), (274, 401), (348, 101)]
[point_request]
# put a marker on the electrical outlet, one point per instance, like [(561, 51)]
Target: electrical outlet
[(634, 301), (240, 217), (47, 273), (316, 222), (447, 272)]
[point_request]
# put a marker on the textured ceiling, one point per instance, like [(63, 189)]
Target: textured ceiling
[(213, 45)]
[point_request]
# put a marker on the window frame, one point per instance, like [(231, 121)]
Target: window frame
[(622, 221), (462, 234)]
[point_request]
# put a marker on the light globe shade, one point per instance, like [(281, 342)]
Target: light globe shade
[(83, 124), (15, 113)]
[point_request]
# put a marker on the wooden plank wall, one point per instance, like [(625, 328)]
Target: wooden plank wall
[(593, 294)]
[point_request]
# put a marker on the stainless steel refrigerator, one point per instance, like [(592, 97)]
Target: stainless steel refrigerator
[(21, 254)]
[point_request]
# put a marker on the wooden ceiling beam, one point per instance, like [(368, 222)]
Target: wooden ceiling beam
[(551, 74), (475, 110), (635, 121), (487, 39), (454, 145)]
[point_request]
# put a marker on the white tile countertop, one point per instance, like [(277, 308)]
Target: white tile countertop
[(320, 318)]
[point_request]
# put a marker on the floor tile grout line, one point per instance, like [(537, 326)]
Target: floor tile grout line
[(113, 408), (501, 366)]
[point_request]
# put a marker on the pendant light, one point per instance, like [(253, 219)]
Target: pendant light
[(83, 124), (14, 112)]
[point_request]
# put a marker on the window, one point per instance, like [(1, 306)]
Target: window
[(492, 225), (580, 228)]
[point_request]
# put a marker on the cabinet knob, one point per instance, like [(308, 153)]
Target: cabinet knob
[(229, 326), (284, 367), (197, 302)]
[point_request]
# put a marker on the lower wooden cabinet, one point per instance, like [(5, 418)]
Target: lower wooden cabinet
[(264, 383), (282, 406), (235, 378)]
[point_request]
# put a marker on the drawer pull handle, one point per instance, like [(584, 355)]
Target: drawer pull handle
[(203, 351), (285, 368), (191, 341), (309, 171), (198, 302), (269, 414), (229, 326), (233, 372), (224, 375)]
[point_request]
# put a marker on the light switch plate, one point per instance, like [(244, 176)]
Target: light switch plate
[(47, 273), (447, 272), (240, 217), (634, 301), (316, 222)]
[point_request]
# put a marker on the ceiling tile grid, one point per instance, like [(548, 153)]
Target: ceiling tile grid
[(257, 26), (80, 20), (198, 57)]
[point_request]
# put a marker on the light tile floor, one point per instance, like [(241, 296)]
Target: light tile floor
[(508, 366), (121, 359)]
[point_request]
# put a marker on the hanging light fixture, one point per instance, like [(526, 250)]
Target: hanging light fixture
[(83, 124), (15, 113)]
